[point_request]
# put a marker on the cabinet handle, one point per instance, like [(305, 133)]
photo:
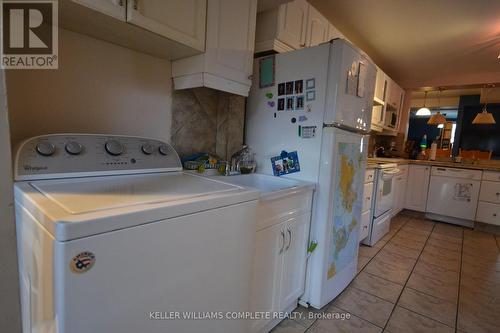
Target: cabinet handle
[(498, 193), (120, 3), (495, 214), (282, 241), (289, 238), (136, 4), (302, 44), (250, 77)]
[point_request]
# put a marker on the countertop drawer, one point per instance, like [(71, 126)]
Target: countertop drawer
[(367, 197), (490, 192), (275, 211), (488, 213), (365, 224), (491, 176), (369, 175)]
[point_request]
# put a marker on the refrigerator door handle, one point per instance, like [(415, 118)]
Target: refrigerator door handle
[(282, 241), (346, 128)]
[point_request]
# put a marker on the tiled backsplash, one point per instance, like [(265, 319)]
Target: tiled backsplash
[(207, 120)]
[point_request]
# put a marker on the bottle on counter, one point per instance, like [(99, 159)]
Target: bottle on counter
[(432, 156)]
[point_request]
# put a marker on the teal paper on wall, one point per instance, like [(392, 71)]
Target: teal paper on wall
[(266, 72)]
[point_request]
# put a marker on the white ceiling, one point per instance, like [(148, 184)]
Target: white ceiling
[(424, 43)]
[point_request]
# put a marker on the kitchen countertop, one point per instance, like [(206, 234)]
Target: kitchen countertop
[(492, 166)]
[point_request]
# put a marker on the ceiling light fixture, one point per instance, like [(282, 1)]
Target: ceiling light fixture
[(437, 118), (484, 117), (423, 111)]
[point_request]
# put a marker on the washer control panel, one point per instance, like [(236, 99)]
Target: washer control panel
[(80, 155)]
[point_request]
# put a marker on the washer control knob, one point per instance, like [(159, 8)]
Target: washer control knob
[(73, 148), (147, 149), (163, 149), (45, 148), (114, 147)]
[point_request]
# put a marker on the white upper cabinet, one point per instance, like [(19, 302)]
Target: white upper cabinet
[(292, 26), (380, 88), (114, 8), (317, 28), (292, 23), (228, 60), (180, 20), (170, 29)]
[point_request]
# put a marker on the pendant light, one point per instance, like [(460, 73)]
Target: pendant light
[(423, 111), (484, 117), (437, 118)]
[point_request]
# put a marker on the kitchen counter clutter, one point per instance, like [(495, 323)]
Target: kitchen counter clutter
[(457, 193)]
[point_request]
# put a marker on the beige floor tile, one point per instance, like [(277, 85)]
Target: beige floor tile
[(435, 259), (362, 262), (350, 324), (387, 271), (302, 315), (430, 306), (408, 234), (428, 285), (402, 250), (289, 326), (437, 272), (474, 316), (415, 230), (442, 252), (448, 230), (420, 224), (397, 259), (411, 243), (484, 293), (406, 321), (446, 237), (452, 246), (479, 272), (368, 251), (365, 306), (377, 286)]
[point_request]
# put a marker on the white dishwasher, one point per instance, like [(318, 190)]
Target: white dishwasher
[(453, 195)]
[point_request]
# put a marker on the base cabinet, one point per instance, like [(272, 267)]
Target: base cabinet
[(417, 187), (279, 269)]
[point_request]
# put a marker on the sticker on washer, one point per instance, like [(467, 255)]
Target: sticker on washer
[(82, 262)]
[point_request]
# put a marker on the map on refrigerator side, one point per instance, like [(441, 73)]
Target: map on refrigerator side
[(346, 208)]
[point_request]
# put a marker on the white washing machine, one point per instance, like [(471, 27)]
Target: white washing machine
[(113, 237)]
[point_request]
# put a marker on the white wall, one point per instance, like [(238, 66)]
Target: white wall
[(99, 87), (9, 286)]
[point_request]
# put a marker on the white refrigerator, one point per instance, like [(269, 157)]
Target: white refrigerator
[(317, 102)]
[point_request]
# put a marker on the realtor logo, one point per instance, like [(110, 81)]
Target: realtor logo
[(29, 34)]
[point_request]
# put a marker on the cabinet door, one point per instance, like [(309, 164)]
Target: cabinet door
[(317, 28), (292, 23), (183, 21), (267, 268), (399, 193), (380, 87), (114, 8), (231, 39), (417, 187), (294, 260)]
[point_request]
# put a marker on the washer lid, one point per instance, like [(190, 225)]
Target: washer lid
[(80, 207), (85, 195)]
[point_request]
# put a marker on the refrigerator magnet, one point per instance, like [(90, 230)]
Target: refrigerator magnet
[(299, 102), (289, 88), (299, 86), (289, 103), (310, 95), (310, 84), (281, 89), (266, 72), (281, 104), (285, 163)]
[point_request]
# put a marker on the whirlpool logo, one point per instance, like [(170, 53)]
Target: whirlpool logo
[(29, 34)]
